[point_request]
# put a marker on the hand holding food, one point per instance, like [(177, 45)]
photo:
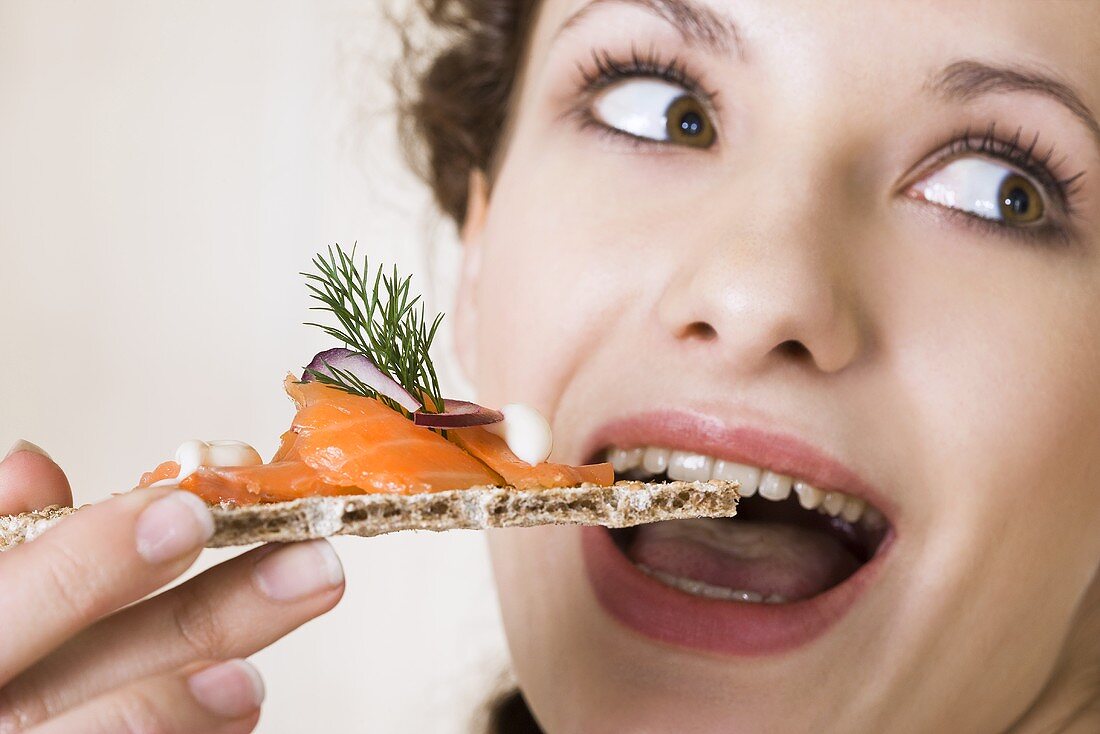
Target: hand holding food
[(79, 655)]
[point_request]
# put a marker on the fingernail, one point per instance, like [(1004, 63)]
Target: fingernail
[(172, 526), (230, 689), (298, 570), (22, 445)]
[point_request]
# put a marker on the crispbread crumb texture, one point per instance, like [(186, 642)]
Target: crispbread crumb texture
[(621, 505), (16, 529)]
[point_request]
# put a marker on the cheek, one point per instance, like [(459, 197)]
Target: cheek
[(548, 283), (567, 254), (1008, 424), (996, 365)]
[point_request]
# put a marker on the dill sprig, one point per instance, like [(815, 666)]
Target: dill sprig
[(379, 317)]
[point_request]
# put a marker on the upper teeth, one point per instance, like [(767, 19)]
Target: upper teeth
[(688, 466)]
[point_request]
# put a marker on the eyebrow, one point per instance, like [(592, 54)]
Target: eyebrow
[(694, 22), (967, 79)]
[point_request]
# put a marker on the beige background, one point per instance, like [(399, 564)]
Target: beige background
[(166, 169)]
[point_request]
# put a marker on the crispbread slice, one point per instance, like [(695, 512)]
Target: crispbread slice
[(621, 505)]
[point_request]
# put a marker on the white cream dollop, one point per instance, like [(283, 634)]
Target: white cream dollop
[(193, 454), (526, 432)]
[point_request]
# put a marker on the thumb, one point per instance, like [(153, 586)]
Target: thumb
[(30, 480)]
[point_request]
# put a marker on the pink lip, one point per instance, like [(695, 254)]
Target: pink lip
[(672, 616), (663, 613)]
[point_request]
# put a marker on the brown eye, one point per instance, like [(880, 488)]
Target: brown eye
[(687, 123), (656, 110), (1020, 202), (985, 188)]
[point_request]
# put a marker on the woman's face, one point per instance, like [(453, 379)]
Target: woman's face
[(852, 245)]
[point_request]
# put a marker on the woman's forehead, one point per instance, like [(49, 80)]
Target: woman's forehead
[(1063, 35)]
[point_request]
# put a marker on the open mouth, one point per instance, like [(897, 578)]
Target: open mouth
[(807, 542), (789, 542)]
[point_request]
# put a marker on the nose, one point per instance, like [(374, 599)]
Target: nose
[(782, 292)]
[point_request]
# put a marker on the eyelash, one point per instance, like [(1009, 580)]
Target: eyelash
[(606, 68), (1025, 159)]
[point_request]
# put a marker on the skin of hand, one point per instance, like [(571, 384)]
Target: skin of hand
[(79, 654), (790, 277)]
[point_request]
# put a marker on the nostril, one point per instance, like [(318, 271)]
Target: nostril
[(794, 348), (700, 330)]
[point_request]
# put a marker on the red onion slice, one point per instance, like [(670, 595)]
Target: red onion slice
[(363, 369), (458, 414)]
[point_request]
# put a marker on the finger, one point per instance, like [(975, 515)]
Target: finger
[(93, 563), (223, 698), (233, 610), (30, 480)]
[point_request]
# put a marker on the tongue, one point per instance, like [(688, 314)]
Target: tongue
[(764, 557)]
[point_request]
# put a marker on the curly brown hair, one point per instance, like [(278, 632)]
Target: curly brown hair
[(455, 96)]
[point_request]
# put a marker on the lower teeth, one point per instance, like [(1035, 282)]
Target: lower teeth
[(701, 588)]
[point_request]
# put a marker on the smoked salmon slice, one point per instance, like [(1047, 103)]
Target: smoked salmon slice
[(341, 443), (287, 447), (275, 482), (352, 441), (494, 452)]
